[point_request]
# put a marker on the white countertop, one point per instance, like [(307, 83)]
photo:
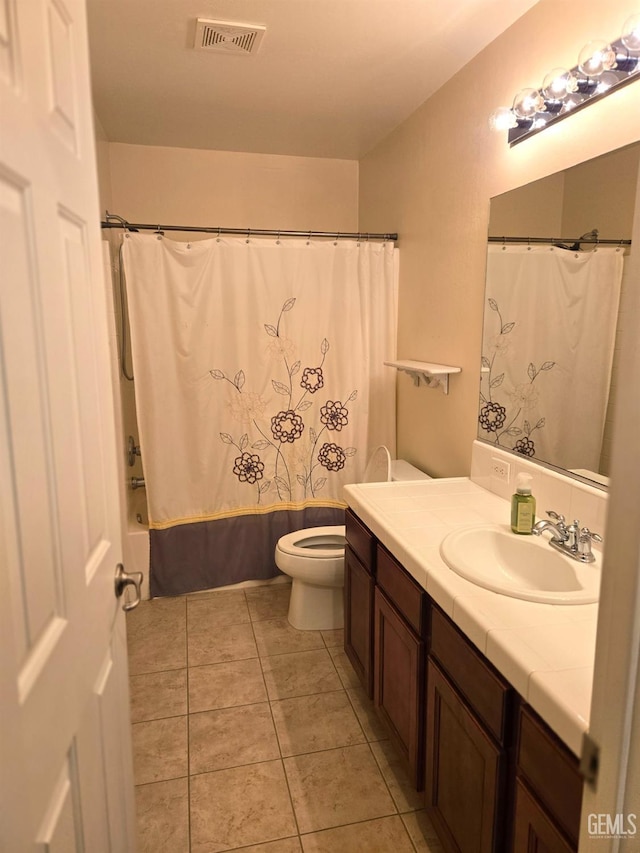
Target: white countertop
[(545, 651)]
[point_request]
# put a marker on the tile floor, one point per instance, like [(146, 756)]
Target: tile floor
[(251, 735)]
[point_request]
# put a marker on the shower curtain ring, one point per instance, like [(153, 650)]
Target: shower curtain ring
[(278, 239), (309, 239), (337, 238), (218, 237), (248, 235)]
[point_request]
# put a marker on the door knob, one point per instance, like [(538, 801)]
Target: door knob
[(123, 579)]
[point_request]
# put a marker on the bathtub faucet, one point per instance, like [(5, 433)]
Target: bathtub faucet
[(133, 450)]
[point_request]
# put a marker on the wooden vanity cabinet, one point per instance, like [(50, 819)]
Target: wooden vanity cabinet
[(496, 778), (467, 743), (548, 790), (400, 628), (359, 586)]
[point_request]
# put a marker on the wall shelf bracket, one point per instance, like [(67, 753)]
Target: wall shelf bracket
[(426, 373)]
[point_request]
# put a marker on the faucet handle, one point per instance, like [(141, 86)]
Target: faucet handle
[(584, 543), (588, 534), (556, 516)]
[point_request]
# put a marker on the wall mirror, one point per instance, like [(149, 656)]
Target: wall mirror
[(551, 317)]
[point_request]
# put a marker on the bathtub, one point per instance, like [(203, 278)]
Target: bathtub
[(136, 552)]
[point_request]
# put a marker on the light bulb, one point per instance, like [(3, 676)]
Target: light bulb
[(596, 57), (527, 103), (631, 33), (556, 84), (502, 119)]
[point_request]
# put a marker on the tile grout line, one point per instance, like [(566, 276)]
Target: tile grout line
[(155, 672), (275, 728)]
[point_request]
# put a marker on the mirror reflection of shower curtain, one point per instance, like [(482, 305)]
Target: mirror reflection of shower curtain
[(260, 390), (549, 335)]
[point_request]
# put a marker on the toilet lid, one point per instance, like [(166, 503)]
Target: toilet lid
[(378, 468), (315, 542)]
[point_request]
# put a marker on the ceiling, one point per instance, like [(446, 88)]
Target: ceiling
[(331, 77)]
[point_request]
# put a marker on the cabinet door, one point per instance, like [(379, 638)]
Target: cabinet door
[(399, 683), (465, 772), (551, 772), (534, 832), (358, 618)]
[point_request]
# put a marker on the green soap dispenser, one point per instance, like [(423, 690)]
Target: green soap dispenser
[(523, 506)]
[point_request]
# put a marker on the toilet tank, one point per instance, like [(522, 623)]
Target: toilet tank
[(402, 470)]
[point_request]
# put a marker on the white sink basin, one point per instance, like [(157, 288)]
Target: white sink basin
[(520, 566)]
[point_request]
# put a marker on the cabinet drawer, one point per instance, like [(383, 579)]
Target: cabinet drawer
[(361, 540), (551, 771), (407, 595), (482, 686)]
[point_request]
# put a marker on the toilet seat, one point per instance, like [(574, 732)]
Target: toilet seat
[(315, 543), (314, 557)]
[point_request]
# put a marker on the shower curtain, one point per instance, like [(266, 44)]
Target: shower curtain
[(260, 391), (549, 335)]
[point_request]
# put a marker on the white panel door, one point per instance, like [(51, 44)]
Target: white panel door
[(65, 753)]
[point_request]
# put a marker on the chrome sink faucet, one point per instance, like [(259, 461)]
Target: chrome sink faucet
[(572, 540)]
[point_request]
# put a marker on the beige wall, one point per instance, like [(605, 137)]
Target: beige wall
[(102, 162), (431, 180), (234, 190)]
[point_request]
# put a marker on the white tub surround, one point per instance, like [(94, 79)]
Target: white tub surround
[(545, 651), (135, 542)]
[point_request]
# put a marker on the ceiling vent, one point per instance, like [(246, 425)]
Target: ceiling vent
[(227, 37)]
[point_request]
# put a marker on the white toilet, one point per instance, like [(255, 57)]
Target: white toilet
[(314, 557)]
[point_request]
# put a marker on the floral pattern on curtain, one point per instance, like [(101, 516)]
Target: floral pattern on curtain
[(297, 447)]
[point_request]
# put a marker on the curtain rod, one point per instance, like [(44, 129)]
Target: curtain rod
[(595, 240), (248, 232)]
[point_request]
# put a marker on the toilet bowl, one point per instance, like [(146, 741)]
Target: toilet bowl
[(314, 557)]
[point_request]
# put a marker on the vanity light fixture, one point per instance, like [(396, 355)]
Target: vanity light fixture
[(602, 67)]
